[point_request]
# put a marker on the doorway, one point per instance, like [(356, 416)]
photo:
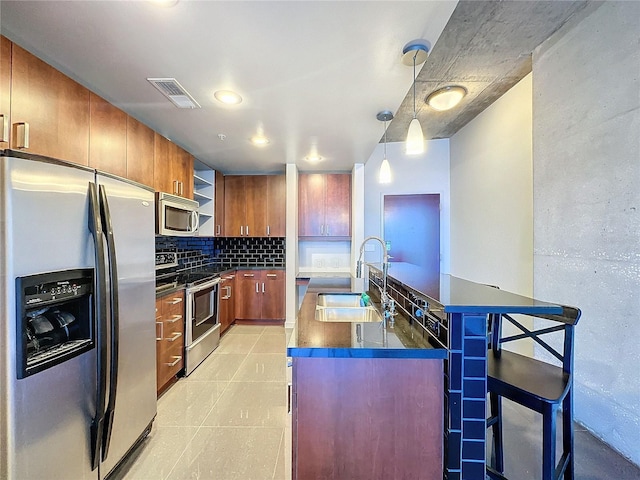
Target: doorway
[(412, 229)]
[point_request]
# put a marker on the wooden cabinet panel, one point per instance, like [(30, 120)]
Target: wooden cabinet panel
[(324, 205), (260, 295), (276, 206), (234, 204), (107, 137), (255, 188), (172, 168), (338, 205), (226, 306), (248, 298), (183, 172), (162, 179), (5, 91), (169, 337), (219, 205), (55, 107), (273, 307), (140, 144)]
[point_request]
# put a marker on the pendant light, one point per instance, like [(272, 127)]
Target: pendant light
[(416, 53), (384, 176)]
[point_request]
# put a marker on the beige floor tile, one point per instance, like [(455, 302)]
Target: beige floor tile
[(270, 343), (188, 403), (218, 367), (256, 404), (237, 343), (230, 453), (283, 467), (262, 367), (242, 329), (159, 453)]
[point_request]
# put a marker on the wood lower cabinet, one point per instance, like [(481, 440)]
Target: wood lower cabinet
[(5, 91), (172, 168), (226, 305), (107, 137), (169, 337), (55, 108), (260, 295), (324, 205), (364, 418)]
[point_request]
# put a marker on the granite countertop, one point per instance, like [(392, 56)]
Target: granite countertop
[(313, 338)]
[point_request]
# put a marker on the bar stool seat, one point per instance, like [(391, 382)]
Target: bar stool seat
[(537, 385)]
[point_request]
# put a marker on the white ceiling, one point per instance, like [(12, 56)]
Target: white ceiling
[(308, 71)]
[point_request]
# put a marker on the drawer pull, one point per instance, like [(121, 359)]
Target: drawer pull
[(175, 362), (161, 330), (176, 336), (272, 274), (175, 301), (175, 319)]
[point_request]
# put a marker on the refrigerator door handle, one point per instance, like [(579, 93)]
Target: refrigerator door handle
[(115, 320), (100, 315)]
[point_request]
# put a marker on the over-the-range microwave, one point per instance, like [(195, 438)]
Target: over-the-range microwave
[(176, 216)]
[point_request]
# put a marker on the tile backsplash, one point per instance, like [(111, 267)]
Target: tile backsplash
[(196, 252)]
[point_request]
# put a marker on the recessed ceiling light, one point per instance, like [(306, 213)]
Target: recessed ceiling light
[(313, 158), (228, 97), (446, 98), (259, 140), (164, 3)]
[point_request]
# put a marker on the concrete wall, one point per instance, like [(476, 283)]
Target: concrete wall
[(428, 173), (586, 150), (491, 195)]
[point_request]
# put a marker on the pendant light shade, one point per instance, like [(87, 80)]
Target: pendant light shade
[(415, 139), (385, 172), (384, 175), (416, 52)]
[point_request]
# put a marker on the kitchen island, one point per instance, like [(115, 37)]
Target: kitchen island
[(411, 406)]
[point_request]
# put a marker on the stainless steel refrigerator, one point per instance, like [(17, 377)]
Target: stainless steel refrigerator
[(77, 310)]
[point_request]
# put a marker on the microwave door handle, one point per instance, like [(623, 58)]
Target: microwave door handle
[(100, 314), (193, 221), (107, 227)]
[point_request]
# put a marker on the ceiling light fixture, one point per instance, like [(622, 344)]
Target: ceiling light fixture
[(446, 98), (164, 3), (259, 140), (228, 97), (384, 176), (416, 52)]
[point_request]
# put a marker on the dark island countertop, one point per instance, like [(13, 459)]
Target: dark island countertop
[(313, 338)]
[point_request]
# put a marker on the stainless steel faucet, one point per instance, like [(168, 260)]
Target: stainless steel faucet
[(388, 303)]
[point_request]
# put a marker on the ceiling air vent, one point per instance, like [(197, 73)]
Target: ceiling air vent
[(171, 89)]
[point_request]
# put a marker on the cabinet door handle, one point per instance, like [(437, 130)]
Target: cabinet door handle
[(217, 230), (21, 134), (175, 336), (262, 287), (289, 391), (174, 319), (327, 229), (268, 231), (241, 230), (174, 363), (257, 288), (161, 330), (322, 229), (175, 188), (5, 128), (175, 301), (247, 230), (181, 186)]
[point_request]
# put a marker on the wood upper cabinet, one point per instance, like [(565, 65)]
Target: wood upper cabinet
[(140, 144), (276, 205), (172, 168), (254, 205), (219, 205), (260, 294), (55, 108), (107, 137), (324, 205), (5, 91)]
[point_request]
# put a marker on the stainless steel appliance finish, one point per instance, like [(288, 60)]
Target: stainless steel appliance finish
[(79, 417), (202, 323), (176, 216)]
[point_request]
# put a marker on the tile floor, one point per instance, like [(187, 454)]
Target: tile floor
[(228, 421)]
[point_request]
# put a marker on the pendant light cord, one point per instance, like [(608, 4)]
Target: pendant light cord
[(385, 139), (414, 83)]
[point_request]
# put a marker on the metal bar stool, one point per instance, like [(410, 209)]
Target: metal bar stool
[(537, 385)]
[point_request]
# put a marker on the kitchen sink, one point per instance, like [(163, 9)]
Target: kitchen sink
[(344, 307)]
